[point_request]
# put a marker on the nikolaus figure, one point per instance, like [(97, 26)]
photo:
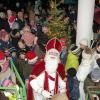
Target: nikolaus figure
[(49, 80)]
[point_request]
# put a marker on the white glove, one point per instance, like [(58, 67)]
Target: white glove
[(46, 94), (63, 90)]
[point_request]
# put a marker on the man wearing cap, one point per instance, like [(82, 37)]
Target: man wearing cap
[(49, 80)]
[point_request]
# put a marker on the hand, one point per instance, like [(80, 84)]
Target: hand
[(46, 94)]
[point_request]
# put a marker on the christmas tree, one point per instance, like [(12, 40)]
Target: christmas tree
[(57, 23)]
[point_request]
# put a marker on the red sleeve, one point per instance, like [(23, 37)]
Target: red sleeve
[(38, 68)]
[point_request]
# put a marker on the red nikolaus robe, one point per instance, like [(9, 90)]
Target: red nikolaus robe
[(37, 70)]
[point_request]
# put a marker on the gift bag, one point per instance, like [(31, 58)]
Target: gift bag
[(61, 96)]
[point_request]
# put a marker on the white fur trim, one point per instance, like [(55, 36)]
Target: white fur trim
[(32, 60)]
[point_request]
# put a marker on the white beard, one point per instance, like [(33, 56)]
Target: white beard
[(51, 64)]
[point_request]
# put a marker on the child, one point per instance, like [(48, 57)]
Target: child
[(73, 84), (5, 71), (84, 69), (72, 58), (64, 52), (21, 49)]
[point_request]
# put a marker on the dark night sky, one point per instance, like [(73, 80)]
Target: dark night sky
[(23, 3), (11, 4)]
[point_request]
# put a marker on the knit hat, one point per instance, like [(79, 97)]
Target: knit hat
[(71, 72), (11, 19), (75, 50), (31, 56), (84, 42)]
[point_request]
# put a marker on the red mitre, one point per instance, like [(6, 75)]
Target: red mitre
[(54, 43)]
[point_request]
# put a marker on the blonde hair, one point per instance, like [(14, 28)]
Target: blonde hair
[(88, 50)]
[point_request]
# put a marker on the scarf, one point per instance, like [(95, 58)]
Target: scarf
[(46, 82)]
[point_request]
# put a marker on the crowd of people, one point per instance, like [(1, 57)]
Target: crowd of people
[(46, 66)]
